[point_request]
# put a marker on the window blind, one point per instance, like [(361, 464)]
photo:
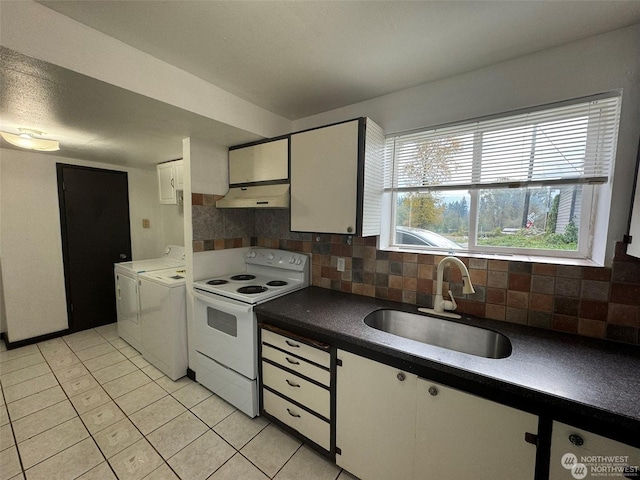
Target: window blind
[(567, 144)]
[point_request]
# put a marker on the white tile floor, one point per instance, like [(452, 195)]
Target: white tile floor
[(89, 406)]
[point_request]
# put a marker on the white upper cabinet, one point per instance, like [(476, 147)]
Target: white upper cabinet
[(263, 162), (179, 174), (170, 181), (336, 178)]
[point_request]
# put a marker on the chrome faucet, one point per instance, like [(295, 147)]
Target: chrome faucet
[(439, 303)]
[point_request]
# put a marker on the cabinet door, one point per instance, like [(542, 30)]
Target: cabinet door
[(260, 163), (324, 179), (577, 453), (179, 174), (166, 183), (375, 419), (459, 435)]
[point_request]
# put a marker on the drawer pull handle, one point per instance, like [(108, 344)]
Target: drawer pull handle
[(293, 414), (293, 362), (291, 344), (291, 384)]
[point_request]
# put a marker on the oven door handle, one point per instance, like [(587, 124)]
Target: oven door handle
[(224, 304)]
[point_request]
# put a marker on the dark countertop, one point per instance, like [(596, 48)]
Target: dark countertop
[(590, 383)]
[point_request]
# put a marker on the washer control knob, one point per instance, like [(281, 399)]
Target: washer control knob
[(270, 256)]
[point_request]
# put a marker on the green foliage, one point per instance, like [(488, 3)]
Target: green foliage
[(570, 233), (422, 210), (432, 165), (500, 208), (552, 220), (551, 241), (455, 217)]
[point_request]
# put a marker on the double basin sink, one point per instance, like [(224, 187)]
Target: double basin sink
[(441, 333)]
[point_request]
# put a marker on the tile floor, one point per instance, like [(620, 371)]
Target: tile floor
[(88, 406)]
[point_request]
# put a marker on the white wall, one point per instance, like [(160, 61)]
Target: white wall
[(597, 64), (30, 239), (172, 224)]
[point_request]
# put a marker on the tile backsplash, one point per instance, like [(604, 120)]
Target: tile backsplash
[(590, 301)]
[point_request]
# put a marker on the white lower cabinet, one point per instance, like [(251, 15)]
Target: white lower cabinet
[(577, 453), (391, 424), (459, 435), (375, 419)]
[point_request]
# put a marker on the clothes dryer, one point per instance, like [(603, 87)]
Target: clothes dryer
[(127, 291)]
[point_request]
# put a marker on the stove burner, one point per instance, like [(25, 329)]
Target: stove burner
[(252, 289), (217, 281), (243, 277), (277, 283)]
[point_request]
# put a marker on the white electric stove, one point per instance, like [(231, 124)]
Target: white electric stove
[(268, 274), (225, 327)]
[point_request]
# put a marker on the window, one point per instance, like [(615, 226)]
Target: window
[(523, 183)]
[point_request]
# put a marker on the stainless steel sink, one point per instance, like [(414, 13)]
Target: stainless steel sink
[(441, 333)]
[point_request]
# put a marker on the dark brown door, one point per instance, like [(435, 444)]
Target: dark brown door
[(94, 217)]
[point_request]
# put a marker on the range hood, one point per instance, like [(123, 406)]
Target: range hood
[(259, 196)]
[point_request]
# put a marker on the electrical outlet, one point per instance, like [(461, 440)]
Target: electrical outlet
[(341, 264), (146, 223)]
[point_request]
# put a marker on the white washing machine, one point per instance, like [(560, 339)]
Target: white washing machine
[(127, 294), (163, 321)]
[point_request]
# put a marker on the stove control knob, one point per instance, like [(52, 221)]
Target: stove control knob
[(298, 261), (292, 259)]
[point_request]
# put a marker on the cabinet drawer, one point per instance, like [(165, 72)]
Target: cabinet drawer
[(307, 424), (296, 364), (297, 348), (296, 388)]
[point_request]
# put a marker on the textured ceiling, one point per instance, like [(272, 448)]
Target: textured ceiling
[(94, 120), (293, 58)]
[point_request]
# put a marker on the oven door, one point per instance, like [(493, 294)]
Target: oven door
[(226, 331)]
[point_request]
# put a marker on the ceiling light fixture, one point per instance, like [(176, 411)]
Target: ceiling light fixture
[(25, 139)]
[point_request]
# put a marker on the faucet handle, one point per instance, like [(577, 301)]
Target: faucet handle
[(453, 301), (450, 304)]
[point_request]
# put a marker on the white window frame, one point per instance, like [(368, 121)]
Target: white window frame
[(591, 206)]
